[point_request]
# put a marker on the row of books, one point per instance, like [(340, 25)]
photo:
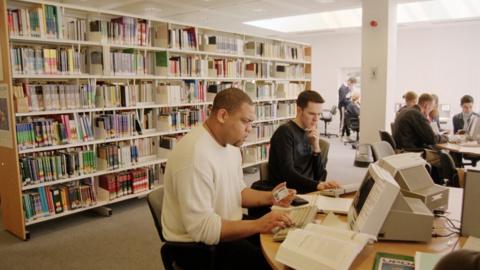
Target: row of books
[(288, 89), (46, 97), (127, 63), (289, 71), (231, 68), (53, 130), (35, 22), (274, 110), (187, 66), (37, 60), (258, 70), (108, 126), (183, 38), (116, 155), (260, 90), (180, 119), (255, 153), (189, 91), (221, 44), (283, 51), (47, 201), (124, 183), (262, 131), (55, 165)]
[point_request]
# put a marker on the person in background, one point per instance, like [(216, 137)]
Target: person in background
[(462, 120), (295, 149), (410, 98), (205, 191), (434, 117), (412, 128), (344, 93)]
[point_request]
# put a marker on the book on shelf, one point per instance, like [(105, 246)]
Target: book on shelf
[(213, 88), (159, 32), (386, 261), (112, 186), (166, 145), (179, 119), (50, 166), (183, 38), (47, 201), (255, 153), (321, 248), (188, 91), (160, 63), (26, 22)]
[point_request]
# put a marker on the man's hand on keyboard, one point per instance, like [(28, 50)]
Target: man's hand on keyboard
[(285, 202), (274, 219), (328, 185)]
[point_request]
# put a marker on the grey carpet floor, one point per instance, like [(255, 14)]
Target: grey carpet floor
[(125, 240)]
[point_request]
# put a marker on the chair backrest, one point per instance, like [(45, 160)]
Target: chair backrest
[(324, 147), (382, 149), (385, 136), (155, 202), (447, 168), (264, 171), (333, 110)]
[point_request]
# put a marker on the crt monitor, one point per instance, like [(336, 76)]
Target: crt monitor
[(473, 129), (381, 210)]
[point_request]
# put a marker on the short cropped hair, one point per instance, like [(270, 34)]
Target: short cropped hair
[(466, 99), (424, 98), (309, 96), (410, 96), (230, 99), (352, 80)]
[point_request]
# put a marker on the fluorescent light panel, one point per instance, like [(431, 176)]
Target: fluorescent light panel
[(424, 11)]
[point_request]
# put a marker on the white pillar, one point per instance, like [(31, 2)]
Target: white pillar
[(378, 67)]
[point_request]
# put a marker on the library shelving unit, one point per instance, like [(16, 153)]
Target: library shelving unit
[(92, 101)]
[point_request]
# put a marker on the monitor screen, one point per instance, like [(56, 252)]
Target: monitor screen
[(363, 192)]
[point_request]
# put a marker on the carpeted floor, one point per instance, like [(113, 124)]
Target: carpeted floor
[(125, 240)]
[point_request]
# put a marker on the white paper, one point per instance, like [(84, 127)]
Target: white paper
[(329, 204)]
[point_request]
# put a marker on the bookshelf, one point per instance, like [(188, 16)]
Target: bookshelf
[(95, 100)]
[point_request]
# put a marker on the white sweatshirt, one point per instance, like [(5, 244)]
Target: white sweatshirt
[(203, 184)]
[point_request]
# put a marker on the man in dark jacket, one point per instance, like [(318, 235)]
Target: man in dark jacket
[(412, 128), (462, 120), (344, 93), (295, 149)]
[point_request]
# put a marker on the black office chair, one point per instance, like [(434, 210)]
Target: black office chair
[(353, 123), (387, 137), (264, 185), (445, 173), (177, 253), (382, 149), (327, 117)]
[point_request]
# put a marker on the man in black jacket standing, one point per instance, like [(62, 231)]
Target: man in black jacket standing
[(344, 94), (295, 150), (412, 128)]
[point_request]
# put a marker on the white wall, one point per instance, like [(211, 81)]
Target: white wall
[(441, 59)]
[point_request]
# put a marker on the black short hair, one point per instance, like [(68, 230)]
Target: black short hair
[(230, 99), (466, 99), (309, 96)]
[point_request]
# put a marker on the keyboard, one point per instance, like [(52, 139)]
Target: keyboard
[(300, 216), (344, 189)]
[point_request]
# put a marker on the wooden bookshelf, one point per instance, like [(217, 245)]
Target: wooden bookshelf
[(78, 87)]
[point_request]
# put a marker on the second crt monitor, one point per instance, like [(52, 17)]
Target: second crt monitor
[(410, 172), (381, 210)]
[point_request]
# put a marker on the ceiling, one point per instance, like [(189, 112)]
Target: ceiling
[(223, 14)]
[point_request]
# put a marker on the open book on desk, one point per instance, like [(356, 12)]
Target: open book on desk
[(321, 248)]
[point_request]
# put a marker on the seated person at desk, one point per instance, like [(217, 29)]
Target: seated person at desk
[(410, 101), (295, 150), (412, 129), (205, 192), (462, 120), (353, 109)]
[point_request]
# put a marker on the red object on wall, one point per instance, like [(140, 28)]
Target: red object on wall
[(373, 23)]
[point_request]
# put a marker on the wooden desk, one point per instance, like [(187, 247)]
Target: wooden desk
[(472, 150), (366, 258)]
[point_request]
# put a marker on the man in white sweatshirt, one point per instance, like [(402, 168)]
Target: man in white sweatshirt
[(205, 191)]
